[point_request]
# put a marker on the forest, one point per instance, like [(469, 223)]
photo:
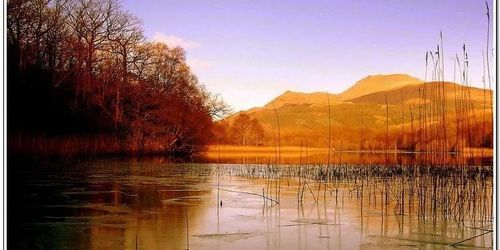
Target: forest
[(82, 79)]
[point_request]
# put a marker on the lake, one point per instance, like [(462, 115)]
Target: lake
[(157, 204)]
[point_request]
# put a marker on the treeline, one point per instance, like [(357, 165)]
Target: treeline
[(242, 130), (82, 77)]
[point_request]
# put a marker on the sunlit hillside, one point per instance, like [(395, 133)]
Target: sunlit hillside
[(298, 98), (376, 83), (413, 109)]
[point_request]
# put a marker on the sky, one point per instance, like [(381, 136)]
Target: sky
[(250, 51)]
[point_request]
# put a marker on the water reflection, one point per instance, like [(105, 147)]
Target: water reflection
[(113, 204)]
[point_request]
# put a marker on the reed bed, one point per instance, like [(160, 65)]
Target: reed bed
[(459, 193), (431, 192)]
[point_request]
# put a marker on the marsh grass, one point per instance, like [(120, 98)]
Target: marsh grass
[(433, 192)]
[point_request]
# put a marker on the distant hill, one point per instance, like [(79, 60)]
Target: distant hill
[(377, 83), (298, 98), (359, 113)]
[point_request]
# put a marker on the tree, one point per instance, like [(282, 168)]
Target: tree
[(257, 132), (124, 33), (216, 106), (89, 21), (221, 132), (83, 67), (246, 130)]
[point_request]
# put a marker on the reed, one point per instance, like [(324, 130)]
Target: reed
[(433, 192), (187, 228)]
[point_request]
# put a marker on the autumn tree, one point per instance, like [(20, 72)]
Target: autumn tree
[(246, 131), (83, 68), (257, 135), (221, 132)]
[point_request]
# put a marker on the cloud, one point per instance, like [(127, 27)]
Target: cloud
[(174, 41), (198, 64)]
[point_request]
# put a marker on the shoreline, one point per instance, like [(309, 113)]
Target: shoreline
[(237, 149)]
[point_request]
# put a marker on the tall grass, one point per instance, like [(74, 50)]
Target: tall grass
[(431, 192)]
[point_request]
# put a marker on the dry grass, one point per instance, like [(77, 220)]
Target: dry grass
[(259, 150), (295, 150)]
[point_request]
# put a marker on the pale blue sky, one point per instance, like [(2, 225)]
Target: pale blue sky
[(251, 51)]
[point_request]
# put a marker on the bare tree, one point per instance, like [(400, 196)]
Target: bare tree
[(89, 60), (124, 33), (89, 20), (216, 106), (246, 130)]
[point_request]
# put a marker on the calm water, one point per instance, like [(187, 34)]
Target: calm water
[(150, 204)]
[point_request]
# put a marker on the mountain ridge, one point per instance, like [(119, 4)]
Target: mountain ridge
[(304, 117), (376, 83), (379, 82)]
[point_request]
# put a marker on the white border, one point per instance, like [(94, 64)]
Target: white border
[(495, 141)]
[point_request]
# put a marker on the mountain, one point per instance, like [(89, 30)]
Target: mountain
[(298, 98), (426, 91), (362, 112), (377, 83)]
